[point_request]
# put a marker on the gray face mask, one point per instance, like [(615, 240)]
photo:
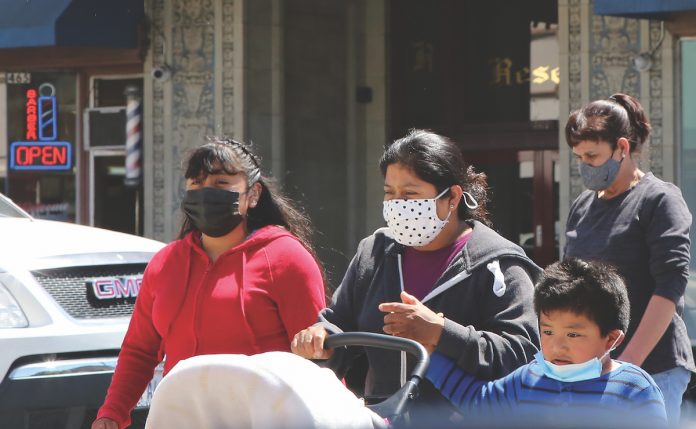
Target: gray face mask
[(600, 177)]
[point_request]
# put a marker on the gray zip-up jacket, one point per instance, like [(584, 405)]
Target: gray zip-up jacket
[(486, 295)]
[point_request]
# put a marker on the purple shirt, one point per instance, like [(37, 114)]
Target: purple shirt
[(422, 269)]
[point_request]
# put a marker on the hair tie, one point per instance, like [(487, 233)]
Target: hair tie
[(614, 99)]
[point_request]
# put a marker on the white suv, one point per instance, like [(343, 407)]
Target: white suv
[(66, 295)]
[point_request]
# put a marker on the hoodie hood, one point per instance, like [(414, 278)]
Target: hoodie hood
[(484, 246)]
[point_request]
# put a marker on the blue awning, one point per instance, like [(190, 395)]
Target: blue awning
[(646, 9), (77, 23)]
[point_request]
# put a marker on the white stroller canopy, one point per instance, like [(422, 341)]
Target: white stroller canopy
[(269, 390)]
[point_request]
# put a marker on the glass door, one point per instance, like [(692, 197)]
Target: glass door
[(523, 198), (688, 134), (113, 205), (687, 183)]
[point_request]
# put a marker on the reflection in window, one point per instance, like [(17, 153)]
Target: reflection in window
[(688, 138)]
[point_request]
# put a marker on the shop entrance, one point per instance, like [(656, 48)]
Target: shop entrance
[(112, 205), (524, 190), (491, 85)]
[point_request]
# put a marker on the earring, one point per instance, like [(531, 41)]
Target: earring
[(451, 206)]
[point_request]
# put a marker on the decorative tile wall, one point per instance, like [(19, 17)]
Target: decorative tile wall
[(158, 53), (656, 114), (613, 42), (575, 84), (184, 35)]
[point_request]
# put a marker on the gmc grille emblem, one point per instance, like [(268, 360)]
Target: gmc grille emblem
[(115, 287)]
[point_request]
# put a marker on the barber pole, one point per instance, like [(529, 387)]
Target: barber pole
[(133, 138)]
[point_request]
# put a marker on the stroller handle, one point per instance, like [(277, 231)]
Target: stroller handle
[(393, 408), (370, 339)]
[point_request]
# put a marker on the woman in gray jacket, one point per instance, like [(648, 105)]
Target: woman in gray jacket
[(436, 274)]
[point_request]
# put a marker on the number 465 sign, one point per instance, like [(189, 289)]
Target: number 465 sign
[(17, 77)]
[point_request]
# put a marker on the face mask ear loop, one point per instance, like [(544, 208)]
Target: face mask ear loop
[(468, 197), (437, 197), (441, 194), (613, 346)]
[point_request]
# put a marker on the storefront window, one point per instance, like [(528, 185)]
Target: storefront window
[(688, 138), (41, 138)]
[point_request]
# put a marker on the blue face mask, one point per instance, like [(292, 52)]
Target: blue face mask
[(575, 371), (600, 177)]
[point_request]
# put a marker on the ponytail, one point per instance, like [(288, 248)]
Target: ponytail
[(640, 127), (609, 120)]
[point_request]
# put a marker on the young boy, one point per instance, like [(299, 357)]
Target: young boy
[(583, 312)]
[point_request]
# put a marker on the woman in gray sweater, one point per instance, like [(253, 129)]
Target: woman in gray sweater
[(436, 274), (640, 224)]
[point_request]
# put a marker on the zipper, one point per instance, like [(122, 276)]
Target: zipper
[(197, 305)]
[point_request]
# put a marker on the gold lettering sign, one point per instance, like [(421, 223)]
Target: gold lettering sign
[(501, 71), (504, 73)]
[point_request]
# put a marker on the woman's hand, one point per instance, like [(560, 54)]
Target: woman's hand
[(411, 319), (104, 423), (309, 343)]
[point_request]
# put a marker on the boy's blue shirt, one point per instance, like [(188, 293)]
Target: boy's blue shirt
[(624, 397)]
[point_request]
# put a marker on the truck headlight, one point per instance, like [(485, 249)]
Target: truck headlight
[(11, 316)]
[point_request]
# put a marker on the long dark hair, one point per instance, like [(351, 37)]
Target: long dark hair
[(608, 120), (221, 155), (437, 160)]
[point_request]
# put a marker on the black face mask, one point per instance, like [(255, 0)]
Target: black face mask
[(212, 211)]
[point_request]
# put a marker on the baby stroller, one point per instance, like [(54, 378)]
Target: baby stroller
[(278, 390)]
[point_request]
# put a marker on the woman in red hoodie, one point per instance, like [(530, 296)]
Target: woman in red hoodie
[(242, 277)]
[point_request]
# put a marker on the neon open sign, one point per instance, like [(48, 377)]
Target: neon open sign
[(41, 151), (40, 156)]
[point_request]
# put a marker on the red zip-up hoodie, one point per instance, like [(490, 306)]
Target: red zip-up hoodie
[(254, 298)]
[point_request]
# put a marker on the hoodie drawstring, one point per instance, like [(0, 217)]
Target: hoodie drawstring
[(402, 373)]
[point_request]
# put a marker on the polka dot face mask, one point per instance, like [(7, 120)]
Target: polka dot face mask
[(414, 222)]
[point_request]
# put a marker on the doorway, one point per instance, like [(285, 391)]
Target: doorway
[(524, 186), (112, 205)]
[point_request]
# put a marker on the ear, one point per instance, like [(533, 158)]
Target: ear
[(255, 194), (455, 198), (615, 335), (625, 146)]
